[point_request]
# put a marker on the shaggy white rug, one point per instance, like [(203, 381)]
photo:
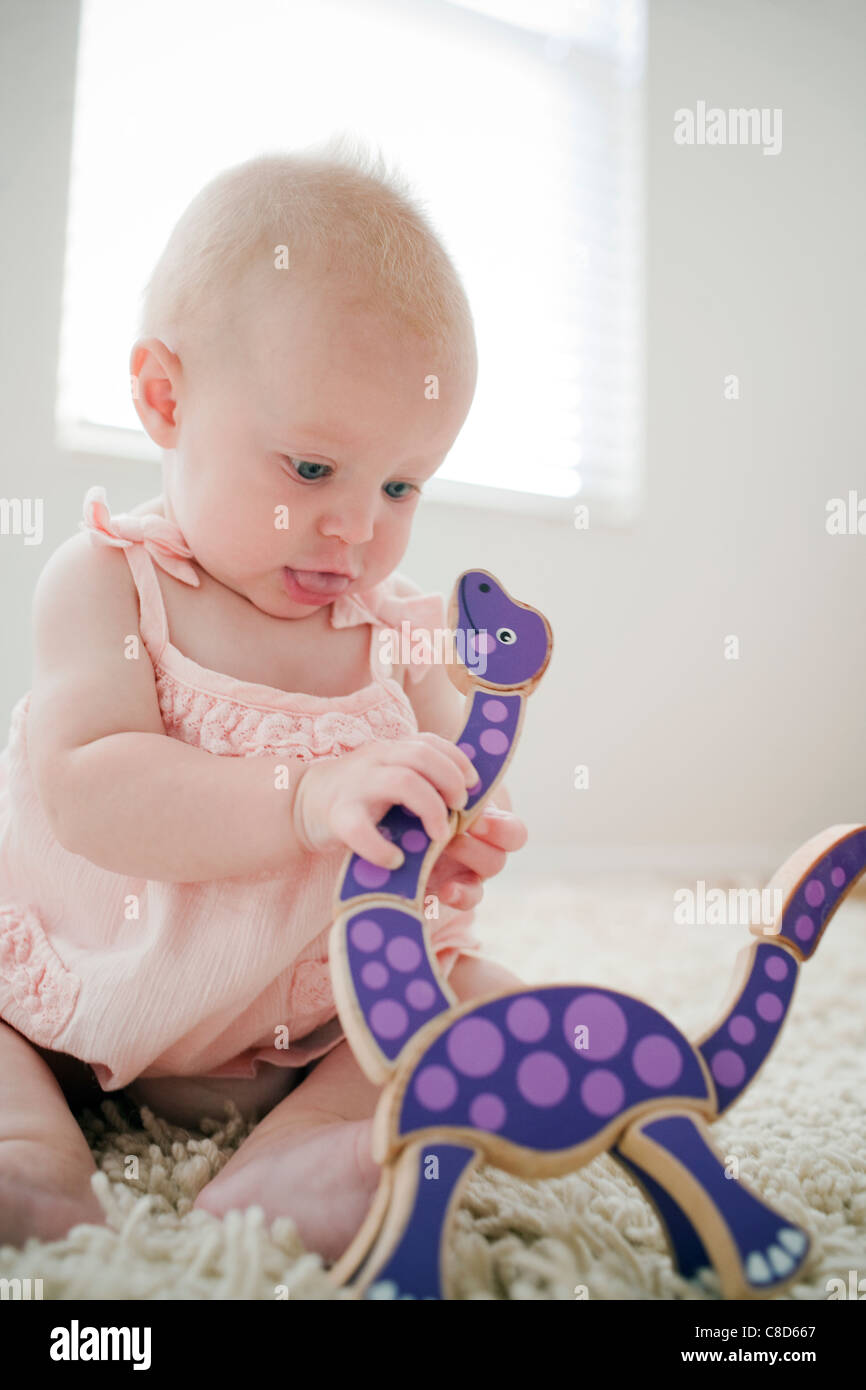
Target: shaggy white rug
[(799, 1133)]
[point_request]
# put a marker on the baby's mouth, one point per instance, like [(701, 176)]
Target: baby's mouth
[(319, 581)]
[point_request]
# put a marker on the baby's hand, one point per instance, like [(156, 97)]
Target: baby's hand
[(476, 854), (341, 800)]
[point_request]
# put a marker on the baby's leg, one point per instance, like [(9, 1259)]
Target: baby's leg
[(311, 1157), (45, 1164)]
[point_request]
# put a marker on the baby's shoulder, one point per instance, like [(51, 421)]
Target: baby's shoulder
[(84, 585)]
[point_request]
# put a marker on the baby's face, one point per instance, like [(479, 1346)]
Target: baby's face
[(303, 450)]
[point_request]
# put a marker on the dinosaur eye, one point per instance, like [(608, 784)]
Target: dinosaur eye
[(506, 635)]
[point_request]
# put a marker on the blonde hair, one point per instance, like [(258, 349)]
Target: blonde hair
[(337, 208)]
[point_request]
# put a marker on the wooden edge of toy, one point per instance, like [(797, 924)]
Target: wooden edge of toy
[(354, 1255), (702, 1212), (403, 1197), (797, 867), (504, 1153), (458, 673)]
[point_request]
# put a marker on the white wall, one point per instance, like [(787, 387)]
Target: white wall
[(755, 267)]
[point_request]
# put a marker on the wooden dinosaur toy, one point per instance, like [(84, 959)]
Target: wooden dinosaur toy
[(540, 1079)]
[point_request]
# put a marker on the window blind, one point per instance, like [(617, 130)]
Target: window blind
[(518, 125)]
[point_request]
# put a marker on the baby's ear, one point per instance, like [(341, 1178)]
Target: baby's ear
[(155, 374)]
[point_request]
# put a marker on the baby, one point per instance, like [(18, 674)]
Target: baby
[(211, 723)]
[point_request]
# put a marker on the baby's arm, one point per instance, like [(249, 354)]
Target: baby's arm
[(115, 788)]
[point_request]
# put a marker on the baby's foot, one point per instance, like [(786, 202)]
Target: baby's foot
[(41, 1197), (322, 1176)]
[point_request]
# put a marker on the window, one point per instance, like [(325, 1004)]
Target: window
[(518, 125)]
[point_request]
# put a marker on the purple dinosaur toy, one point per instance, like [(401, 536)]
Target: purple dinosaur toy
[(541, 1079)]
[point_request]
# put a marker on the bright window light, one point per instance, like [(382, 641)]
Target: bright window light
[(518, 124)]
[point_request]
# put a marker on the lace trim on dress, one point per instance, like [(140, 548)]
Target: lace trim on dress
[(35, 986)]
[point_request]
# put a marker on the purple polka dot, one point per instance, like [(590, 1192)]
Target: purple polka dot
[(776, 968), (366, 934), (742, 1029), (542, 1078), (728, 1068), (837, 877), (388, 1019), (403, 953), (369, 875), (467, 748), (814, 892), (487, 1111), (493, 741), (528, 1020), (495, 711), (436, 1088), (605, 1022), (414, 841), (657, 1060), (374, 975), (602, 1092), (420, 995), (475, 1046), (804, 928), (769, 1006), (481, 641)]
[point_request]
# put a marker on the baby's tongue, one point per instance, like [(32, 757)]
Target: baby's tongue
[(319, 583)]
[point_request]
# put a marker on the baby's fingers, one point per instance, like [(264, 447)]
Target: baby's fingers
[(353, 825), (463, 893), (403, 787), (500, 828), (483, 859)]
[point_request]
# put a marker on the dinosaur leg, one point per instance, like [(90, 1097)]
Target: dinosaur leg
[(686, 1248), (756, 1251), (428, 1181)]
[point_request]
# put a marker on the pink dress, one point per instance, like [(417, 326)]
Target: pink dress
[(141, 978)]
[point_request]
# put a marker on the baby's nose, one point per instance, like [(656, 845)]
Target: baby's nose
[(353, 525)]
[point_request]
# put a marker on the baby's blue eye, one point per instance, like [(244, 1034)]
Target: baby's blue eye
[(305, 463), (398, 495)]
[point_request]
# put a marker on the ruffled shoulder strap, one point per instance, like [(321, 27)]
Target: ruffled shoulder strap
[(144, 540), (404, 622), (162, 539)]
